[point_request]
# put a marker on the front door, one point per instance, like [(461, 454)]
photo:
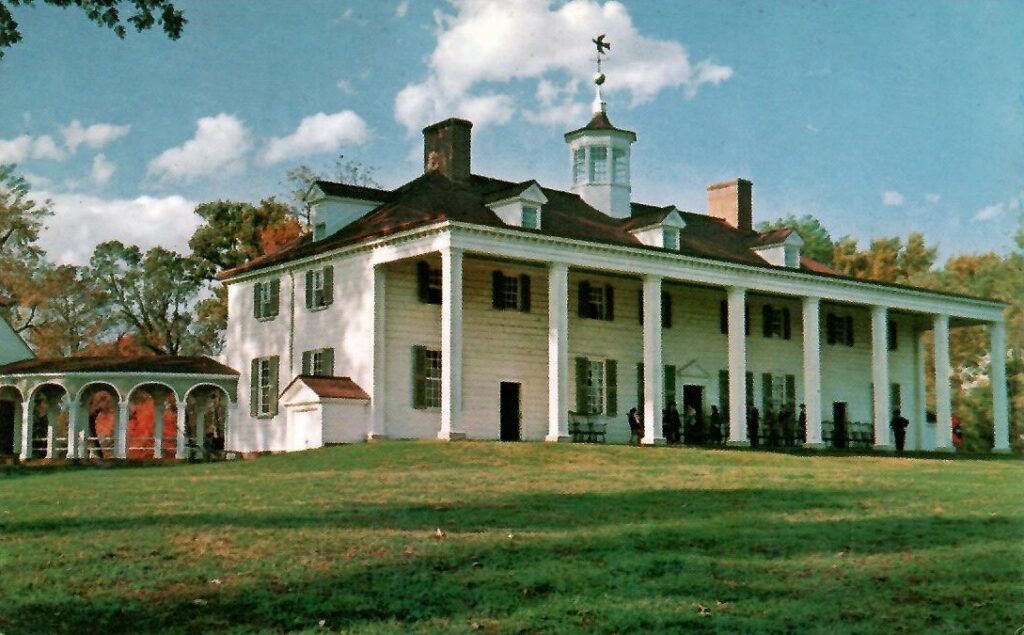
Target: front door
[(839, 424), (510, 415), (693, 397), (7, 427)]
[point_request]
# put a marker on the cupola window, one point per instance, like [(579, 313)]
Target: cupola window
[(620, 165), (598, 165), (579, 165)]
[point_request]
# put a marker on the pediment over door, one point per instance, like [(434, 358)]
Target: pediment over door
[(693, 373)]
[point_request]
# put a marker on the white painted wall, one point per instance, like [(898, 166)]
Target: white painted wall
[(336, 213), (345, 420), (12, 347)]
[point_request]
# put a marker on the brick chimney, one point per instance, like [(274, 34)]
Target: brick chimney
[(733, 202), (446, 148)]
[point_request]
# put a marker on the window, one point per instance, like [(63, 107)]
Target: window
[(319, 231), (776, 322), (319, 362), (598, 165), (266, 299), (579, 165), (426, 377), (666, 308), (510, 292), (894, 336), (319, 287), (531, 217), (596, 386), (671, 239), (723, 317), (596, 302), (620, 165), (839, 329), (263, 386), (428, 283)]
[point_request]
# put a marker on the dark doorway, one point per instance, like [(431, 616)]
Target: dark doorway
[(693, 428), (7, 427), (839, 424), (510, 413)]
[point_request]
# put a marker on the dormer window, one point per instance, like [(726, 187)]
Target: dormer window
[(598, 165), (579, 165), (319, 231), (531, 217), (670, 239)]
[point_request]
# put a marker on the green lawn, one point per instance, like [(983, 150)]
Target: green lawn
[(535, 538)]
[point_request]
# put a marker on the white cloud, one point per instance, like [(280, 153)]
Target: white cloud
[(80, 222), (15, 150), (345, 86), (46, 148), (812, 128), (989, 212), (558, 105), (102, 170), (220, 144), (402, 10), (36, 181), (95, 136), (932, 198), (892, 199), (488, 43), (316, 134)]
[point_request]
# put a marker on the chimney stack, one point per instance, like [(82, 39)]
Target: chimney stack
[(733, 202), (446, 148)]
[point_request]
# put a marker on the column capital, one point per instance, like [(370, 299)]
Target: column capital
[(734, 290), (811, 299), (557, 265)]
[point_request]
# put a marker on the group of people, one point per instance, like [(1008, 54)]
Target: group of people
[(779, 429), (690, 427)]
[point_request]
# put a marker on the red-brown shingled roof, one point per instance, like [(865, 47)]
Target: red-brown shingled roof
[(151, 364), (331, 387)]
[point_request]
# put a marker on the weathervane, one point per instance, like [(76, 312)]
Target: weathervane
[(602, 47)]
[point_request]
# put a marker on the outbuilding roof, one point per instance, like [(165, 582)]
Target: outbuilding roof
[(140, 364), (331, 387)]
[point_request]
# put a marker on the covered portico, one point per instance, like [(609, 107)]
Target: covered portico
[(81, 407)]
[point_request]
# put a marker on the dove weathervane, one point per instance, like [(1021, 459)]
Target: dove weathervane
[(602, 49)]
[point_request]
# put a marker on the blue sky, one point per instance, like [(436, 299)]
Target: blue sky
[(879, 118)]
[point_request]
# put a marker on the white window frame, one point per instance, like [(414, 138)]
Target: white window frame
[(264, 400), (510, 292), (319, 298), (535, 211), (595, 175), (265, 306), (670, 238), (579, 165), (596, 369), (432, 379), (597, 300), (434, 282), (620, 165), (316, 361)]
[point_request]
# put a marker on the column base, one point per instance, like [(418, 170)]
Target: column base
[(657, 441), (376, 437), (737, 444), (1002, 451), (881, 447), (451, 436), (562, 438)]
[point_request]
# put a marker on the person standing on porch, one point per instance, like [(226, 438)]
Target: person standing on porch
[(899, 426), (803, 423), (672, 424), (716, 426), (636, 428), (753, 425)]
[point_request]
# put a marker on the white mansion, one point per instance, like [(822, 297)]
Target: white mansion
[(462, 306)]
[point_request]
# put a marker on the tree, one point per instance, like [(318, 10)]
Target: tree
[(72, 316), (298, 181), (234, 232), (21, 219), (106, 13), (152, 295), (818, 243)]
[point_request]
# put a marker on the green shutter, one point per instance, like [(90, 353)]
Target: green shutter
[(309, 289), (497, 291), (609, 302), (254, 387), (787, 330), (328, 285), (830, 328), (791, 390), (670, 384), (749, 380), (723, 391), (746, 318), (524, 293), (419, 377), (849, 330), (893, 335), (766, 392), (275, 362), (275, 297), (329, 362), (307, 362), (640, 387), (640, 305), (723, 317), (583, 307), (611, 376), (767, 318), (895, 397), (666, 310), (582, 366), (257, 297)]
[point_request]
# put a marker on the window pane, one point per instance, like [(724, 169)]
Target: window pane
[(597, 302), (671, 239), (620, 165), (530, 217), (433, 379), (578, 165), (510, 292), (595, 387), (599, 165)]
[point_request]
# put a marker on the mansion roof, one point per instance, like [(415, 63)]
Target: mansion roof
[(433, 198)]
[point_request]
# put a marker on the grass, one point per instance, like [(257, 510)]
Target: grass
[(535, 539)]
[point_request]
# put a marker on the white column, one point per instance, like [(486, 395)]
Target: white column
[(918, 440), (180, 440), (654, 371), (51, 426), (737, 366), (121, 431), (812, 370), (1000, 410), (73, 408), (880, 376), (558, 352), (230, 417), (26, 430), (378, 401), (451, 344), (159, 405), (943, 399)]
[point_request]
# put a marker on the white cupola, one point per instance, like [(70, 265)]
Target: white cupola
[(599, 160)]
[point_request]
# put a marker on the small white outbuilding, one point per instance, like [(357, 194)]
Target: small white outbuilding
[(321, 410)]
